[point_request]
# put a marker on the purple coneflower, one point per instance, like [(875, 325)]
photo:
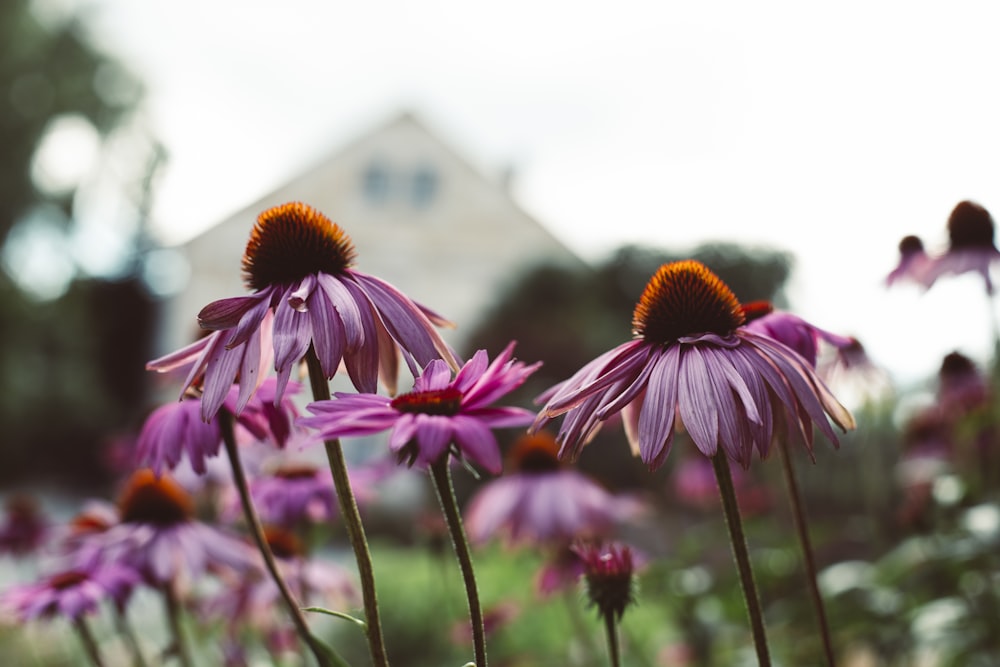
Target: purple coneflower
[(913, 265), (158, 536), (970, 245), (693, 361), (608, 570), (609, 573), (962, 388), (542, 501), (71, 593), (299, 265), (256, 600), (80, 539), (439, 415), (792, 330), (295, 491), (177, 430), (24, 527)]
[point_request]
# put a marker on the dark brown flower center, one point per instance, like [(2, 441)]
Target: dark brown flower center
[(970, 226), (283, 542), (956, 364), (445, 402), (685, 299), (296, 471), (68, 579), (910, 244), (535, 454), (292, 241), (160, 501)]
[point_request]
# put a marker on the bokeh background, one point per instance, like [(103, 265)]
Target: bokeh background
[(789, 145)]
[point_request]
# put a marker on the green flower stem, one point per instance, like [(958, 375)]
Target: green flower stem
[(571, 600), (126, 630), (798, 514), (90, 645), (441, 474), (614, 652), (257, 531), (352, 521), (739, 543), (173, 608)]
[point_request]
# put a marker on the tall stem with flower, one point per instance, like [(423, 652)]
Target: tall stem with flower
[(692, 360), (319, 651), (439, 418), (352, 520), (441, 476), (741, 555), (307, 296), (808, 559)]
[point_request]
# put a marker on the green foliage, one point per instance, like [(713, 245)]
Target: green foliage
[(70, 368), (46, 70)]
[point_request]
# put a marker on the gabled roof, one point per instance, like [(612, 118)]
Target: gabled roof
[(420, 215)]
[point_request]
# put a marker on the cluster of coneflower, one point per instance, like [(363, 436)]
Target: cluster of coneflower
[(739, 379)]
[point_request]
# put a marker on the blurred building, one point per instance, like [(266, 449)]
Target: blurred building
[(420, 215)]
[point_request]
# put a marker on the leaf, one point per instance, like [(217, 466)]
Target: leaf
[(338, 614)]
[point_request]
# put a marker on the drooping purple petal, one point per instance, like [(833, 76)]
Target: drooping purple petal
[(328, 334), (477, 443), (226, 313), (659, 407), (404, 321), (698, 410)]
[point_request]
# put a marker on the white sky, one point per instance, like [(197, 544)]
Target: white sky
[(827, 129)]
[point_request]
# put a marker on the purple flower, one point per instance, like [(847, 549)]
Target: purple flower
[(962, 388), (295, 491), (177, 428), (71, 593), (256, 602), (693, 362), (79, 540), (305, 292), (970, 249), (913, 265), (440, 413), (609, 573), (24, 526), (159, 538), (542, 501), (791, 330)]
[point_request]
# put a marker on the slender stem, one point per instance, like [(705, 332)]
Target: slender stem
[(90, 645), (179, 647), (741, 555), (257, 531), (126, 630), (582, 631), (441, 474), (798, 514), (352, 521), (614, 652)]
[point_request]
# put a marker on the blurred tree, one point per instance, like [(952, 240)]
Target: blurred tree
[(47, 72), (566, 317), (72, 345)]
